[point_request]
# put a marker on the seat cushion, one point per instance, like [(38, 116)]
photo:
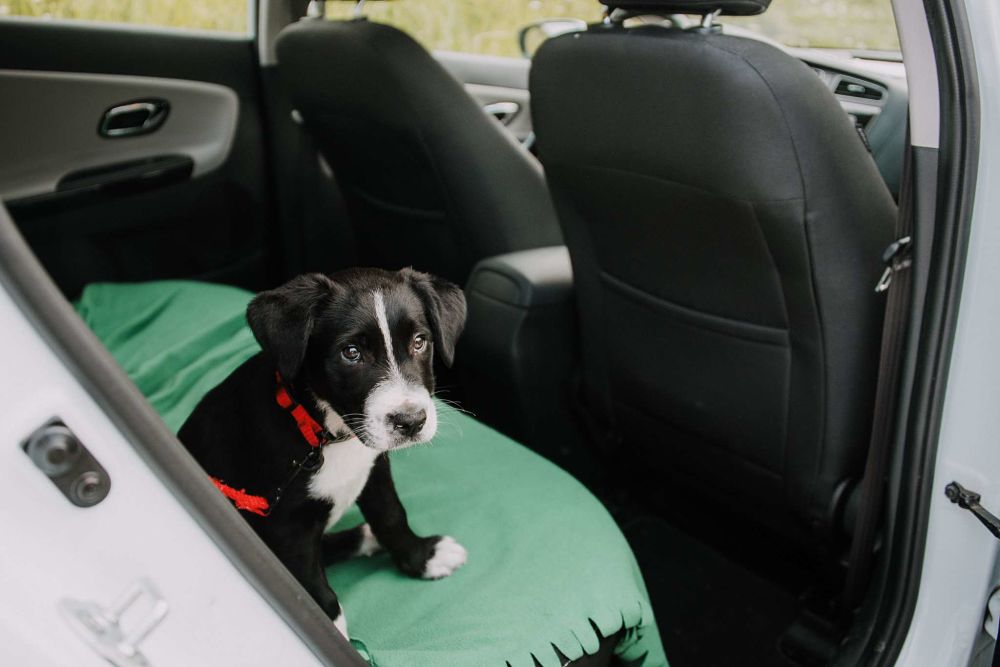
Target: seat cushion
[(548, 568)]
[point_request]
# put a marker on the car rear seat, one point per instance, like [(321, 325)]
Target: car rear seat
[(550, 578)]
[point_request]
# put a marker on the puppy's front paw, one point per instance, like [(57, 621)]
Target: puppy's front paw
[(368, 544), (448, 556)]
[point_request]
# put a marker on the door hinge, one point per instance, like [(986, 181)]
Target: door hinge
[(969, 500)]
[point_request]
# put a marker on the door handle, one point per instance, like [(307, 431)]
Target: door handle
[(133, 118), (503, 111), (102, 627)]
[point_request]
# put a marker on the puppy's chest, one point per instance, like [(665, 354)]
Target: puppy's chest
[(342, 477)]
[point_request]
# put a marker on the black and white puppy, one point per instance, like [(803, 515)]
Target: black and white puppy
[(355, 350)]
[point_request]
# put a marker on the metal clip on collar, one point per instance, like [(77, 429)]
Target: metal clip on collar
[(896, 258)]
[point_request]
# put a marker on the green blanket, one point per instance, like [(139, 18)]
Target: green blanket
[(546, 562)]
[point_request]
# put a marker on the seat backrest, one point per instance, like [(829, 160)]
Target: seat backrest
[(429, 179), (725, 224)]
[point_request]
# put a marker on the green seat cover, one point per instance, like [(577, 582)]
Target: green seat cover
[(546, 564)]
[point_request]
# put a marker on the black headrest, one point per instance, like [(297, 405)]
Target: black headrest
[(728, 7)]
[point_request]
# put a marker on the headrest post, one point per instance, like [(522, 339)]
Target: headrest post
[(316, 9), (708, 20)]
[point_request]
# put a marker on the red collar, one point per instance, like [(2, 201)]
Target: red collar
[(313, 432)]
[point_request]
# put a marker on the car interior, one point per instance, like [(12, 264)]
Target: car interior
[(669, 231)]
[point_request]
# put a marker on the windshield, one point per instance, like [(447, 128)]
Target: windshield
[(490, 27)]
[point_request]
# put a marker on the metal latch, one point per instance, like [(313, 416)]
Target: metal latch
[(896, 257), (969, 500), (104, 629)]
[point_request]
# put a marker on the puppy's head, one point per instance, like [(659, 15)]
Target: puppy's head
[(363, 343)]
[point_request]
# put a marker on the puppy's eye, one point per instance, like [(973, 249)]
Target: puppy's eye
[(351, 353), (419, 343)]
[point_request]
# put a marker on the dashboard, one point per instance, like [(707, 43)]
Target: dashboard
[(874, 93)]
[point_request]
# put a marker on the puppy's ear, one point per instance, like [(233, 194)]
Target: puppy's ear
[(282, 319), (444, 303)]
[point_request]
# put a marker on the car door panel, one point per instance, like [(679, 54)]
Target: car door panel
[(65, 110), (491, 80), (130, 208)]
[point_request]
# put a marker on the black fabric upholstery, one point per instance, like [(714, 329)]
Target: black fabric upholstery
[(430, 180), (725, 7), (725, 226)]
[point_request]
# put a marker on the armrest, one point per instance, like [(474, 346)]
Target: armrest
[(537, 277), (519, 350)]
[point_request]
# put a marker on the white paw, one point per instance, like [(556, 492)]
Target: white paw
[(448, 556), (369, 543), (341, 624)]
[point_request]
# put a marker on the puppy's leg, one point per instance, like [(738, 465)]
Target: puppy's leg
[(304, 564), (344, 544), (317, 586), (428, 557)]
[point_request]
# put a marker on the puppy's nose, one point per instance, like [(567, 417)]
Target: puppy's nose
[(408, 423)]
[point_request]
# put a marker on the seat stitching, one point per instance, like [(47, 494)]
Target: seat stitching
[(663, 179), (691, 315)]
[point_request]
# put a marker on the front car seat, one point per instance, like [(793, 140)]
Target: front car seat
[(430, 180), (725, 225)]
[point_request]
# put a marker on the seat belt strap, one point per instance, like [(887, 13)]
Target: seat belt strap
[(896, 282)]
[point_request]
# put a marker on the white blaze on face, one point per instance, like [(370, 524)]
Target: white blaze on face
[(394, 394)]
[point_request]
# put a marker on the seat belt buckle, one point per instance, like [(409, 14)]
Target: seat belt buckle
[(896, 257)]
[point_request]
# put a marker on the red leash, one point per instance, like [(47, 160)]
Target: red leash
[(242, 499), (313, 433)]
